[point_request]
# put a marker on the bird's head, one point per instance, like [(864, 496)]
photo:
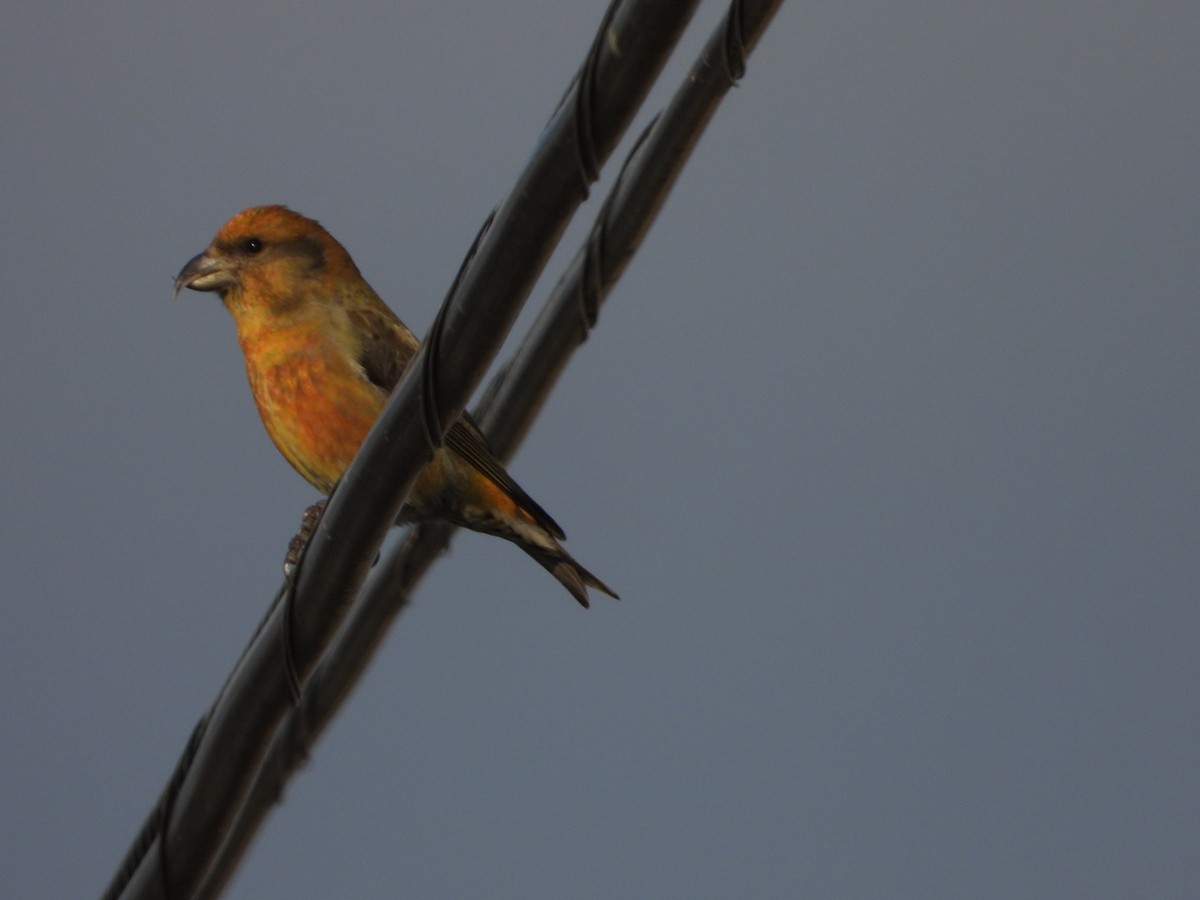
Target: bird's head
[(267, 256)]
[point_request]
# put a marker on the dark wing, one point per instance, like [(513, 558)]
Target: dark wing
[(468, 441), (386, 346), (386, 349)]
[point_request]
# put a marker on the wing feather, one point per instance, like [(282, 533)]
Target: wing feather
[(386, 347), (468, 441)]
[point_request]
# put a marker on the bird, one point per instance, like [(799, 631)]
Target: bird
[(323, 352)]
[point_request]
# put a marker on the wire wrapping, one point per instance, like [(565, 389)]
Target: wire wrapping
[(435, 429), (733, 45), (594, 282), (290, 668), (584, 106), (151, 831)]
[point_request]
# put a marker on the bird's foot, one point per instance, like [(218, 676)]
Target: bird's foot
[(298, 544)]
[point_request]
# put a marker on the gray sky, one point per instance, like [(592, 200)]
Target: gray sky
[(888, 440)]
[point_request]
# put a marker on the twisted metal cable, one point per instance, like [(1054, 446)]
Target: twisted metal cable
[(206, 805), (515, 395)]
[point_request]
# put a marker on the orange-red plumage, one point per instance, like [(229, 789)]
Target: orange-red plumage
[(323, 352)]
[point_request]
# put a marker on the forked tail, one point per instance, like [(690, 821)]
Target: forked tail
[(574, 577)]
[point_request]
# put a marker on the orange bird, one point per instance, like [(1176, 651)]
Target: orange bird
[(323, 353)]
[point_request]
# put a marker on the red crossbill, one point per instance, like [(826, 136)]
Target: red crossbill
[(323, 353)]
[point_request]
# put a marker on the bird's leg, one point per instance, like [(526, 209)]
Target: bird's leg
[(298, 544)]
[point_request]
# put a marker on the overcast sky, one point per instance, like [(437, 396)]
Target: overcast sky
[(888, 439)]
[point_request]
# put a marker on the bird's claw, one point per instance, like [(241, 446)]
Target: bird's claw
[(299, 543)]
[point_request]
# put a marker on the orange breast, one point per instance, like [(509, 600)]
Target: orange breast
[(316, 406)]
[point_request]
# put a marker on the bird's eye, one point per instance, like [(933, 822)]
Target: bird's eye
[(252, 245)]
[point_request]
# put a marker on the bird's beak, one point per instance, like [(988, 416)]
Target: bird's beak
[(204, 273)]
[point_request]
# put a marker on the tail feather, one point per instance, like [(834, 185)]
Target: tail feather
[(532, 535), (574, 577)]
